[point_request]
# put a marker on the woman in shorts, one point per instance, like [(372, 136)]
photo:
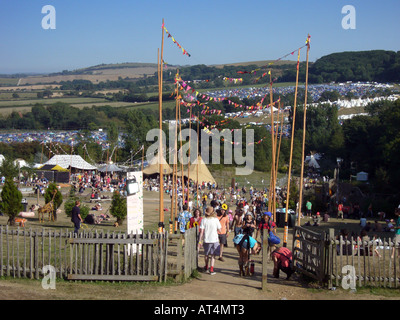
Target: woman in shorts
[(245, 245)]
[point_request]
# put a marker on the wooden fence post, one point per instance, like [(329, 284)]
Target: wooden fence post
[(331, 236), (264, 263)]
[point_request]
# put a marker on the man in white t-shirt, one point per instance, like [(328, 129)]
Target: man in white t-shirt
[(209, 228)]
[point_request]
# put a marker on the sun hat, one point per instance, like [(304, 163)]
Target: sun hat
[(209, 211)]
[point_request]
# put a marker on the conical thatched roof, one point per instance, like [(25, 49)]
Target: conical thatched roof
[(154, 168), (204, 174)]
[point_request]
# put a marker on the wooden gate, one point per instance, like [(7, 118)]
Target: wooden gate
[(309, 253)]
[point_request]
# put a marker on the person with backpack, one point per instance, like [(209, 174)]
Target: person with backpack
[(265, 226), (249, 224), (245, 245), (282, 258)]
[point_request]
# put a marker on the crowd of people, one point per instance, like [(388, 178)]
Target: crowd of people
[(98, 184), (242, 221)]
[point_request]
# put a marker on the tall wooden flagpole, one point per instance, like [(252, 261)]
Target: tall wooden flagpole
[(176, 166), (276, 140), (174, 182), (190, 141), (160, 149), (285, 234), (198, 155), (280, 140), (181, 158), (304, 137), (271, 205)]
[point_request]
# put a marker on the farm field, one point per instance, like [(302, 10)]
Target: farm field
[(8, 81)]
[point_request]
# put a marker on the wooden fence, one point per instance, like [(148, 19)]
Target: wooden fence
[(332, 259), (96, 255), (372, 262)]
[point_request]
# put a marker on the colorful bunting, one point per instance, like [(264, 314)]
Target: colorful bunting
[(185, 87), (273, 62), (234, 80), (184, 52)]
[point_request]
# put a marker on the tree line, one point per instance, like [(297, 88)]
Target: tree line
[(374, 65)]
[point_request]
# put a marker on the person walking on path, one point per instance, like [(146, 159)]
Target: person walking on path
[(196, 219), (223, 234), (238, 221), (208, 238), (76, 216), (249, 224), (245, 245), (183, 219), (265, 226)]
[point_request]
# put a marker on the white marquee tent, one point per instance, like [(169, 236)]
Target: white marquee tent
[(73, 161)]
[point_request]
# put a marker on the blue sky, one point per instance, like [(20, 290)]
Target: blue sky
[(220, 31)]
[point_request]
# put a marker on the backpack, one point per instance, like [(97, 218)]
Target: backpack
[(273, 238)]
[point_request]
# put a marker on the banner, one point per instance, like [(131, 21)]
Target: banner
[(134, 204)]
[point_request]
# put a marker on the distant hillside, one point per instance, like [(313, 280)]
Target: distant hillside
[(114, 72), (256, 63), (106, 67), (96, 74), (374, 65)]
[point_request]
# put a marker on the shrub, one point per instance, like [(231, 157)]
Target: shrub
[(11, 201), (118, 207)]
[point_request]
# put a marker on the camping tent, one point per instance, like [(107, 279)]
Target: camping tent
[(110, 168), (204, 174), (154, 168), (73, 161)]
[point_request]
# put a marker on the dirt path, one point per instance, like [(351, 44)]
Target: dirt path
[(225, 285)]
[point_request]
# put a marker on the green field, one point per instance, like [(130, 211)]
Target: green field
[(8, 96), (8, 81)]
